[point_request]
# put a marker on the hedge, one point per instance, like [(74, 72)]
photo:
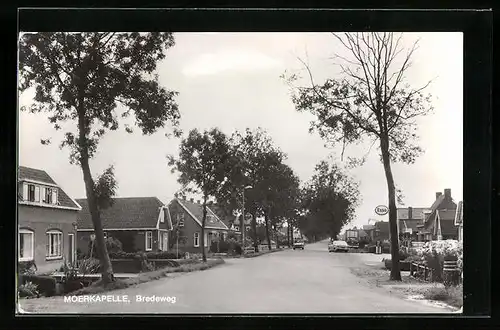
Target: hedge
[(148, 255)]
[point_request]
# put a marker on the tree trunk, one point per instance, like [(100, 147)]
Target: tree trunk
[(102, 251), (203, 250), (277, 237), (393, 226), (266, 217), (254, 228)]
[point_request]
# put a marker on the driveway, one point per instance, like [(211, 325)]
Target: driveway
[(301, 281)]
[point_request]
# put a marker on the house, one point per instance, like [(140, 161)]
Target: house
[(382, 232), (439, 219), (459, 220), (47, 220), (139, 223), (352, 234), (187, 216), (409, 219)]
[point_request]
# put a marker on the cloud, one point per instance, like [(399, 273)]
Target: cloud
[(229, 60)]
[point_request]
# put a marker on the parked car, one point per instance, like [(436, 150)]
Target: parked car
[(298, 245), (338, 246)]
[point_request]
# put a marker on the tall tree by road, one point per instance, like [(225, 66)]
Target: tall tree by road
[(370, 98), (93, 79), (203, 162)]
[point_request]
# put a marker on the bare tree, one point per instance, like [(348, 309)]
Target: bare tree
[(369, 99)]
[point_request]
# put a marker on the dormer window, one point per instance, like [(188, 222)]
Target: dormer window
[(39, 194)]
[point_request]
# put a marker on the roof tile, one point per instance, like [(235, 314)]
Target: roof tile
[(126, 212)]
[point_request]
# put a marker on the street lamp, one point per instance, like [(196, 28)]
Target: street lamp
[(243, 227)]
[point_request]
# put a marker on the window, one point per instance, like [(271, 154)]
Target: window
[(237, 228), (47, 196), (149, 240), (196, 239), (26, 244), (210, 218), (180, 219), (105, 234), (31, 192), (54, 244)]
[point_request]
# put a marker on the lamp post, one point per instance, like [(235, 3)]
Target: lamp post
[(243, 227)]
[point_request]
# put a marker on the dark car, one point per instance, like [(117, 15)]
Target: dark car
[(298, 245)]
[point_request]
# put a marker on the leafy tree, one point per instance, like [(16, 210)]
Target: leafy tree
[(203, 163), (331, 198), (252, 154), (82, 77), (370, 98)]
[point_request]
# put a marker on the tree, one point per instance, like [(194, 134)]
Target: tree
[(203, 162), (369, 99), (330, 198), (252, 154), (82, 77)]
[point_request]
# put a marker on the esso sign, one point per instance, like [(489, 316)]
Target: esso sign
[(381, 210)]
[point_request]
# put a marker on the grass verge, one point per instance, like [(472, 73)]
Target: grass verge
[(453, 296), (99, 287)]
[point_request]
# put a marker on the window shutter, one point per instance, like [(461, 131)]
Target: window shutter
[(47, 246), (37, 194), (54, 196), (44, 194), (25, 191)]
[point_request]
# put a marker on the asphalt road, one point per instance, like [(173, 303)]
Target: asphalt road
[(308, 281)]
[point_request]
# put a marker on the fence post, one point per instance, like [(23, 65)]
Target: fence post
[(425, 273)]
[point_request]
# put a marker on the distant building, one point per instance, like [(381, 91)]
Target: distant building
[(439, 220)]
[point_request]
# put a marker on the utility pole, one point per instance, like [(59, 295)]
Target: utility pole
[(243, 225)]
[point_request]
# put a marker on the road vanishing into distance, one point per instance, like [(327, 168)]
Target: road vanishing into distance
[(302, 281)]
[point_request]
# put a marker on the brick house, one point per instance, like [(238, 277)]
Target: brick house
[(187, 216), (439, 219), (139, 223), (47, 219)]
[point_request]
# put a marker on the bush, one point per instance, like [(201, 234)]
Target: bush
[(28, 290), (46, 284), (113, 244), (219, 247), (26, 267)]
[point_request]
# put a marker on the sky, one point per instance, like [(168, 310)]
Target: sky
[(232, 81)]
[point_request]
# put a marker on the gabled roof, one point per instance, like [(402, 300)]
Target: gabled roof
[(125, 213), (368, 227), (443, 219), (195, 210), (39, 176), (459, 215)]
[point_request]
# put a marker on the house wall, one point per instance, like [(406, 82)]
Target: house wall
[(190, 227), (40, 220), (138, 239)]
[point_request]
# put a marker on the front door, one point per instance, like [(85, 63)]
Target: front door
[(71, 248), (165, 241)]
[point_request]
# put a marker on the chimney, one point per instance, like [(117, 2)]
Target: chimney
[(210, 203), (447, 193), (176, 195), (410, 212), (191, 200), (197, 201), (438, 194)]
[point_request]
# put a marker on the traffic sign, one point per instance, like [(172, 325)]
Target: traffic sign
[(381, 210)]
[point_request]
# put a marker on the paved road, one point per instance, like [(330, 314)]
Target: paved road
[(309, 281)]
